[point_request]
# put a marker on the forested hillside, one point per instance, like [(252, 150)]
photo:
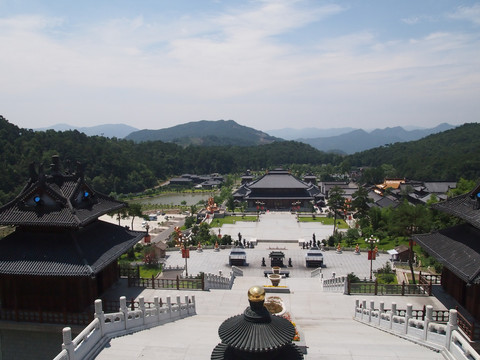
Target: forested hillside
[(448, 155), (121, 166), (206, 133)]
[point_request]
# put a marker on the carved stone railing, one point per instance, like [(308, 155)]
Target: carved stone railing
[(212, 281), (107, 326), (316, 273), (335, 283), (237, 271), (443, 337)]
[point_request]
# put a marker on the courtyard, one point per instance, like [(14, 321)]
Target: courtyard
[(324, 318)]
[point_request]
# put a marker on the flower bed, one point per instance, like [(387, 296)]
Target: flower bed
[(289, 318)]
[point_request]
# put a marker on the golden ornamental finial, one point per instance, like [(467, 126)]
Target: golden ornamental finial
[(256, 293)]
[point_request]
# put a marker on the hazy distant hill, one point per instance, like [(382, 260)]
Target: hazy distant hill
[(445, 156), (294, 134), (360, 140), (108, 130), (205, 133)]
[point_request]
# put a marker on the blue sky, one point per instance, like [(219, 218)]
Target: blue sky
[(267, 64)]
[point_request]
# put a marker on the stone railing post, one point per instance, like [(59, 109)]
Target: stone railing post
[(169, 305), (451, 325), (156, 303), (408, 316), (179, 304), (364, 306), (100, 315), (357, 304), (141, 306), (194, 311), (393, 313), (381, 310), (428, 319), (124, 310), (372, 307), (67, 343)]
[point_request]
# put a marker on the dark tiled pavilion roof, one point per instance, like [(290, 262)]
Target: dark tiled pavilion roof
[(57, 200), (466, 207), (83, 252), (457, 248), (278, 179)]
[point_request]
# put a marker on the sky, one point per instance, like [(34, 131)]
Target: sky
[(267, 64)]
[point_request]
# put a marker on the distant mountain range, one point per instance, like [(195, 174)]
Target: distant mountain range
[(360, 140), (206, 133), (108, 130), (227, 132), (308, 133)]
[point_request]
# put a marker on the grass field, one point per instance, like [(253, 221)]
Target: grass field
[(341, 224), (218, 222)]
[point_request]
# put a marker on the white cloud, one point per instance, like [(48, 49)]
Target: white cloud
[(469, 13)]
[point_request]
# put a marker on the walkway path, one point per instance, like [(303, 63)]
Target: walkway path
[(326, 319)]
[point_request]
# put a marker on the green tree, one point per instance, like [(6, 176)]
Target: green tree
[(231, 203), (360, 203), (134, 210), (335, 203)]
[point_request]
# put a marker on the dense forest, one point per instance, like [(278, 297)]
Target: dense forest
[(448, 155), (122, 166)]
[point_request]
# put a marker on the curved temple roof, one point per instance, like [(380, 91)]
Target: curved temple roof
[(57, 200)]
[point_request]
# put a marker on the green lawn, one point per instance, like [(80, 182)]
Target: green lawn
[(218, 222), (148, 272), (341, 224)]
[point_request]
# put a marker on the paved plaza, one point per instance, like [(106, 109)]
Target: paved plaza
[(325, 319), (277, 231)]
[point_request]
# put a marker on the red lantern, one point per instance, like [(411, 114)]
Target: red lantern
[(371, 255)]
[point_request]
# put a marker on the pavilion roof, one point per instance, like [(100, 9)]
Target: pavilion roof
[(57, 200), (83, 252), (466, 207), (457, 248), (278, 179)]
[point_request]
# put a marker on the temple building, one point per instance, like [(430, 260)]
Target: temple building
[(60, 258), (458, 249), (278, 190)]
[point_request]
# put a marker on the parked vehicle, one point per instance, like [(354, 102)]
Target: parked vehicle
[(237, 257), (314, 258)]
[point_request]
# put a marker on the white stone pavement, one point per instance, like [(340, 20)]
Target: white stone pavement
[(325, 319)]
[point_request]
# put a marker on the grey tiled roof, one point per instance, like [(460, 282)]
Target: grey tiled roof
[(278, 180), (82, 252), (457, 248), (439, 187), (466, 207), (61, 204)]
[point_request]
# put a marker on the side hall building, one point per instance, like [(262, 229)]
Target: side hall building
[(60, 258), (458, 249)]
